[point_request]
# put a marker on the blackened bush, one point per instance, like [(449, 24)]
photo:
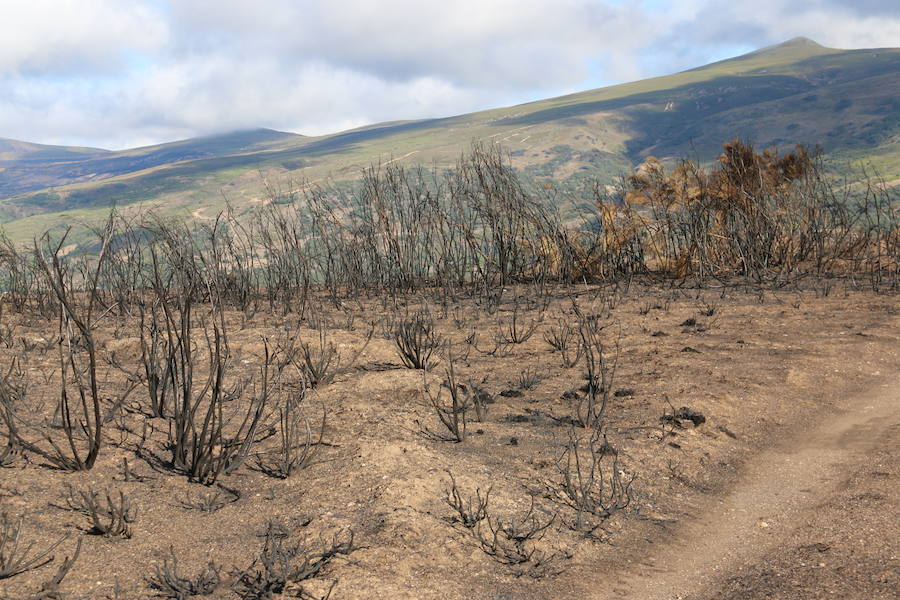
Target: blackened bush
[(416, 340)]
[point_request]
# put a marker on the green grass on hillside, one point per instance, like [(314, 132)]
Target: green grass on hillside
[(845, 100)]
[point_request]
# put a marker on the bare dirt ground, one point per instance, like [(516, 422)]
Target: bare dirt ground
[(789, 489), (816, 516)]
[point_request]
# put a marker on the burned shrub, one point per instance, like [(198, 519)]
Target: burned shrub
[(81, 389), (515, 331), (468, 512), (452, 416), (601, 362), (683, 417), (282, 563), (297, 445), (110, 515), (514, 542), (416, 341), (320, 363), (511, 542), (210, 501), (16, 558), (564, 338), (591, 482), (168, 583), (528, 379), (12, 393)]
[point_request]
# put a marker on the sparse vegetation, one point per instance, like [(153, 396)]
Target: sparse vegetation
[(211, 500), (416, 341), (297, 444), (168, 583), (592, 481), (282, 563), (236, 361), (15, 556), (515, 542), (528, 379), (561, 338), (321, 363), (452, 416), (110, 515), (471, 511), (602, 362)]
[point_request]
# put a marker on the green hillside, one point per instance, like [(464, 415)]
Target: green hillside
[(797, 92), (28, 167), (15, 151)]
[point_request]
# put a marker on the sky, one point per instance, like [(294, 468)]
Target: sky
[(124, 73)]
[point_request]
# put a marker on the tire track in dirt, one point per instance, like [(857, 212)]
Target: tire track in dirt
[(763, 508)]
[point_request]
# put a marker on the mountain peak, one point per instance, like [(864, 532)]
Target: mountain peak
[(792, 50), (792, 47), (799, 41)]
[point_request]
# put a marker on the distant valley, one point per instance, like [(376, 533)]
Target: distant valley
[(796, 92)]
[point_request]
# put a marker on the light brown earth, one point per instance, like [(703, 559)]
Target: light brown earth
[(814, 516), (790, 489)]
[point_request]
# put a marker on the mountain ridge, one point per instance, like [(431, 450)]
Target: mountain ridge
[(794, 92)]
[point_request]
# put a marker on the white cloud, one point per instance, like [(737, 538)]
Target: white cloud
[(499, 43), (50, 37), (833, 23)]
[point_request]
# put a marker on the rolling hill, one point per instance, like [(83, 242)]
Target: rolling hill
[(796, 92)]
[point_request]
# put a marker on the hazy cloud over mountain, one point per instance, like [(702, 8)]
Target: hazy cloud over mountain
[(108, 73)]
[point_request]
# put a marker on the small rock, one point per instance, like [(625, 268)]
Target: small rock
[(684, 414), (689, 322), (659, 334), (727, 432), (511, 393), (511, 418), (623, 393)]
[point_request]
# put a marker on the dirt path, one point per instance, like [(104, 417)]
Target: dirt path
[(407, 155), (780, 491)]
